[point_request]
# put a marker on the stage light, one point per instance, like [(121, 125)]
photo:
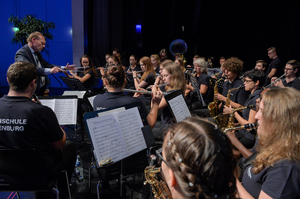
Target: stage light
[(16, 29), (138, 28)]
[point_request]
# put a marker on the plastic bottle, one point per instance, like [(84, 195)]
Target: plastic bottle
[(79, 168)]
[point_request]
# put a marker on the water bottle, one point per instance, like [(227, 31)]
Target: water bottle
[(79, 168)]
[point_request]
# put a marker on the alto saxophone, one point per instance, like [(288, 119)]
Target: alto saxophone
[(224, 121), (231, 116), (213, 106), (159, 188)]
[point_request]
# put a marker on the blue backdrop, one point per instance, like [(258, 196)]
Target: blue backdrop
[(60, 48)]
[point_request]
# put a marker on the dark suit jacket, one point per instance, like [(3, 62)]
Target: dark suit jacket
[(24, 54)]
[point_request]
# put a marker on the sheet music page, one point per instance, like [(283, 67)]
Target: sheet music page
[(179, 108), (107, 138), (66, 111), (79, 94), (131, 124), (48, 102), (91, 100)]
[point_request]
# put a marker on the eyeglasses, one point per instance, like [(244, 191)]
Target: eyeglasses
[(247, 81), (288, 69), (160, 157)]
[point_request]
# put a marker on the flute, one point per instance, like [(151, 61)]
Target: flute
[(160, 85), (36, 99), (140, 71), (136, 91), (274, 81)]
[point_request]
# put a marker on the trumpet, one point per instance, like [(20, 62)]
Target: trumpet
[(246, 126), (279, 78)]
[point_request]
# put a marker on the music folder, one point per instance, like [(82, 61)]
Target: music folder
[(177, 105), (118, 133)]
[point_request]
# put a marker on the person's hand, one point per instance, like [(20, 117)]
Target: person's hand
[(273, 79), (220, 97), (159, 80), (189, 87), (70, 67), (138, 94), (134, 75), (55, 70), (156, 94), (227, 110), (278, 83)]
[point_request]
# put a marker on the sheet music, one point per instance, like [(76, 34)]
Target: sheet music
[(179, 108), (117, 135), (91, 100), (79, 94), (64, 109)]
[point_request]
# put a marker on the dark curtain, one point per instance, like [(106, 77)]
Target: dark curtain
[(244, 29)]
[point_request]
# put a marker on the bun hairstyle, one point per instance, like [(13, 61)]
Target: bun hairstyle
[(115, 76)]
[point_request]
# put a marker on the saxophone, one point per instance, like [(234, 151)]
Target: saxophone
[(223, 121), (159, 188), (213, 106), (231, 116)]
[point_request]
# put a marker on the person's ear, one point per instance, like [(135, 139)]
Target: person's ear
[(105, 81), (256, 83), (295, 70), (173, 181)]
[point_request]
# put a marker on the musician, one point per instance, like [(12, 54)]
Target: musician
[(31, 52), (159, 79), (116, 52), (179, 62), (88, 75), (197, 161), (132, 67), (202, 83), (233, 66), (155, 60), (173, 75), (28, 125), (253, 81), (114, 80), (163, 54), (275, 173), (275, 67), (291, 73), (261, 65)]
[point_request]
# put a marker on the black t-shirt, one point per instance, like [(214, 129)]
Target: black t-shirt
[(129, 77), (295, 83), (279, 181), (239, 96), (276, 64), (88, 84), (205, 80), (28, 125), (150, 79), (114, 99)]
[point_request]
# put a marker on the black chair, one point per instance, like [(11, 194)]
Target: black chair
[(25, 170)]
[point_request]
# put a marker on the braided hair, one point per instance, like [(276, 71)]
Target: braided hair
[(201, 157)]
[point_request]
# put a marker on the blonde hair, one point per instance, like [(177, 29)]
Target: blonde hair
[(177, 81), (156, 57), (35, 34), (149, 67), (281, 136)]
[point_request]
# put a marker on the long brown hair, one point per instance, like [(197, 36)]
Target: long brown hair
[(149, 67), (92, 67), (177, 81), (281, 137)]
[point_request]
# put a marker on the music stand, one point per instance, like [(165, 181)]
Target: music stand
[(123, 166), (73, 84)]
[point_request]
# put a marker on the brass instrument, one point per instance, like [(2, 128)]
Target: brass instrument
[(223, 121), (231, 116), (213, 106), (246, 126), (159, 188)]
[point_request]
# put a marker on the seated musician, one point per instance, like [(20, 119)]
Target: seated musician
[(233, 66), (197, 161), (128, 71), (202, 84), (28, 125), (275, 172), (291, 71), (114, 80), (253, 81)]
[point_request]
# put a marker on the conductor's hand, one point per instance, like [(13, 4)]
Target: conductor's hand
[(156, 94), (70, 67), (55, 70)]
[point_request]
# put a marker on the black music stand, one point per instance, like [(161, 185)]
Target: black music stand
[(73, 84), (130, 164)]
